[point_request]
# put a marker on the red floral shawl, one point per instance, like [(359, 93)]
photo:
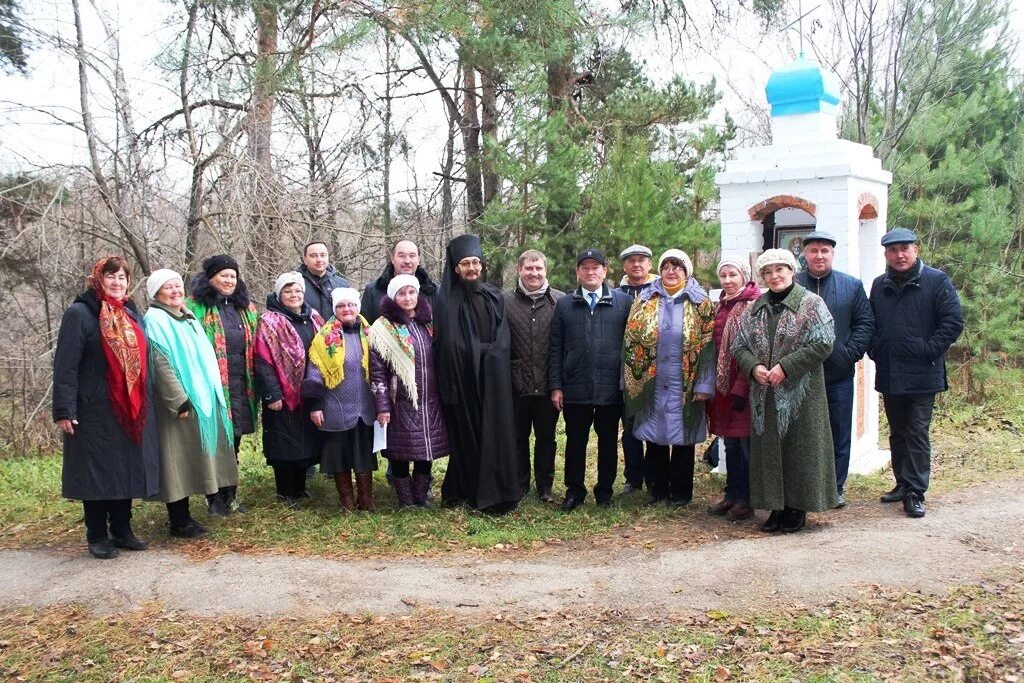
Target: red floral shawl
[(278, 344)]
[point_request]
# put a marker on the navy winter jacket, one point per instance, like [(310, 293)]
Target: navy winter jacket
[(914, 327), (855, 323), (585, 359)]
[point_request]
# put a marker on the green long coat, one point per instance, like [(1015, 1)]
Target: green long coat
[(184, 469), (797, 470)]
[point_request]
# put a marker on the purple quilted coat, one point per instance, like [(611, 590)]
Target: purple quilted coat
[(412, 434)]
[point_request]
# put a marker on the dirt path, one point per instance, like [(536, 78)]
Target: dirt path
[(966, 535)]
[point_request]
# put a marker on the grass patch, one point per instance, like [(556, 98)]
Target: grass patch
[(972, 444), (972, 633)]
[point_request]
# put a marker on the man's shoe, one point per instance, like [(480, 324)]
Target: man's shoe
[(793, 521), (678, 502), (103, 550), (720, 508), (740, 512), (604, 502), (913, 505), (840, 502), (218, 507), (773, 523), (190, 530), (545, 494), (653, 500), (630, 488), (571, 502), (130, 542), (897, 494)]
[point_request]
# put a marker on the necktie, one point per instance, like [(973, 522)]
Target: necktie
[(593, 301)]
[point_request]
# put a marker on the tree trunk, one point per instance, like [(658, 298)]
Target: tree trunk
[(261, 128), (489, 129), (471, 144)]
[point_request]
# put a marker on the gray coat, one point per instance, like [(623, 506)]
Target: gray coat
[(797, 470), (184, 469), (100, 461)]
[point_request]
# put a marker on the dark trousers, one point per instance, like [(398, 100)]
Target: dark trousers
[(840, 417), (578, 420), (178, 513), (228, 493), (290, 477), (910, 418), (634, 465), (737, 469), (400, 468), (536, 414), (98, 513), (671, 472)]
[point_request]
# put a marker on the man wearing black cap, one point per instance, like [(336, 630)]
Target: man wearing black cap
[(472, 346), (636, 279), (854, 323), (585, 375), (917, 318)]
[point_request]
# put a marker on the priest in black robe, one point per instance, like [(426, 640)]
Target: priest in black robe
[(472, 347)]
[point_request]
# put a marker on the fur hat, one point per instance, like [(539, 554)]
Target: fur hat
[(215, 264), (773, 257), (400, 281)]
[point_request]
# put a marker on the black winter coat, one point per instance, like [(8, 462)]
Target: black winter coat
[(318, 289), (288, 435), (377, 290), (530, 324), (854, 322), (100, 461), (914, 327), (585, 360)]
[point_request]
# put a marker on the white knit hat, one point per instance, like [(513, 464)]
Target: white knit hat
[(292, 277), (400, 281), (677, 254), (345, 294), (739, 264), (773, 257), (159, 278)]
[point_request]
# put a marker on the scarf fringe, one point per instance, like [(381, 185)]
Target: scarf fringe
[(384, 336)]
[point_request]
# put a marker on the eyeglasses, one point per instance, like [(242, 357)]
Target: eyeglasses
[(347, 304), (470, 263), (672, 268)]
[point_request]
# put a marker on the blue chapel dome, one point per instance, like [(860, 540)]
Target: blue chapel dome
[(801, 87)]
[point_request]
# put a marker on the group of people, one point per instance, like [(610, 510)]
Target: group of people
[(154, 406)]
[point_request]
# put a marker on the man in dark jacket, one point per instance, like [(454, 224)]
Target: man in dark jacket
[(321, 278), (844, 295), (917, 318), (636, 279), (585, 375), (405, 260), (530, 307)]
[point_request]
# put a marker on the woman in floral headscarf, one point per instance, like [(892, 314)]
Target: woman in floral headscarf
[(337, 387), (669, 374), (291, 443), (102, 405), (220, 302)]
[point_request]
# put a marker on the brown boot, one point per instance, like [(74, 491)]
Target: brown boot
[(343, 481), (364, 491)]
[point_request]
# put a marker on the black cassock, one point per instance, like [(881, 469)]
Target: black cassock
[(472, 345)]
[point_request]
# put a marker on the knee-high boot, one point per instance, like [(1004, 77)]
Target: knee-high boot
[(343, 481), (364, 491)]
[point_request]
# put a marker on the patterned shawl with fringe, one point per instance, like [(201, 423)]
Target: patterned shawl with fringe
[(394, 344), (279, 345), (327, 352)]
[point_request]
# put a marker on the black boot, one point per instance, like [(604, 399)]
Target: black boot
[(793, 520), (773, 523)]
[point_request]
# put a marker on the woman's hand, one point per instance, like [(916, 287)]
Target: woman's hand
[(701, 397), (776, 376), (317, 416), (383, 418), (67, 426), (276, 405), (760, 374)]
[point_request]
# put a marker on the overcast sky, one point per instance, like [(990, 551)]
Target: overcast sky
[(32, 107)]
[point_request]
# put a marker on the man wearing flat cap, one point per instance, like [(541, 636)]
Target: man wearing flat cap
[(472, 346), (917, 318), (854, 324), (585, 375), (636, 279)]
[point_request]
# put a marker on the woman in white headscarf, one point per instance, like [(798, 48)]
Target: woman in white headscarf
[(291, 442), (192, 416)]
